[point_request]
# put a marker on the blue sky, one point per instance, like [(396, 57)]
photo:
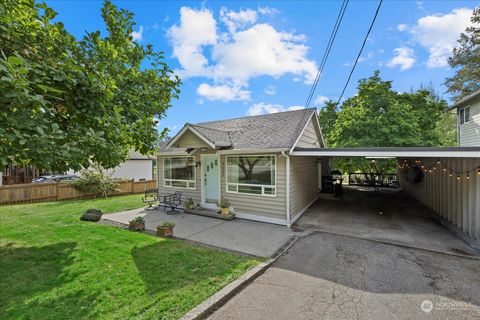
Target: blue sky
[(240, 58)]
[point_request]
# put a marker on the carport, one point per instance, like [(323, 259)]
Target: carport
[(438, 204)]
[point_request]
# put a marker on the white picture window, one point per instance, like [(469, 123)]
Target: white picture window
[(464, 115), (179, 172), (252, 175)]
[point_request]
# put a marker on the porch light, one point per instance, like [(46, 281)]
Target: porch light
[(458, 177), (468, 176)]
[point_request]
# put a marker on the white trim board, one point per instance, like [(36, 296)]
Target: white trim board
[(301, 133), (195, 132)]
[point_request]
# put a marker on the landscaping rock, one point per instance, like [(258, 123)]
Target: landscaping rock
[(92, 215)]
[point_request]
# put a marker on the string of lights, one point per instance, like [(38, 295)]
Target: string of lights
[(436, 167)]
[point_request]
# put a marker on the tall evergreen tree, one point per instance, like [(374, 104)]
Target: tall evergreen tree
[(465, 60)]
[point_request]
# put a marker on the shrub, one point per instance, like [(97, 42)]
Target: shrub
[(189, 203), (137, 219), (167, 224), (224, 203), (97, 181)]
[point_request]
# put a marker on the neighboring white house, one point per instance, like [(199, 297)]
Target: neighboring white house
[(137, 167), (468, 120)]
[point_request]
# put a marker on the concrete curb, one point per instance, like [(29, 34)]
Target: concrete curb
[(222, 296)]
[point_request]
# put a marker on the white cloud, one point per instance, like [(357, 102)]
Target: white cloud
[(248, 49), (197, 28), (268, 11), (262, 50), (404, 58), (270, 90), (439, 33), (266, 108), (320, 100), (237, 19), (223, 92), (402, 27), (138, 35)]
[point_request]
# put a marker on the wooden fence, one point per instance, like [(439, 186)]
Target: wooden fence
[(37, 192)]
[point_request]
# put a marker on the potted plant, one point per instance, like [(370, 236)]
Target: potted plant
[(165, 229), (189, 203), (137, 224), (224, 205)]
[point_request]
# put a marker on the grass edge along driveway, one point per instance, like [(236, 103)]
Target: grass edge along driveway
[(54, 266)]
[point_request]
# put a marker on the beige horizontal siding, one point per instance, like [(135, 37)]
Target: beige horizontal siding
[(310, 138), (273, 207), (303, 183), (470, 131), (187, 193)]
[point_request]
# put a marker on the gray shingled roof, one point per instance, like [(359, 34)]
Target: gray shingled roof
[(276, 130), (218, 137)]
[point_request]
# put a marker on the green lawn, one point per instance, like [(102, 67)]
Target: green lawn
[(54, 266)]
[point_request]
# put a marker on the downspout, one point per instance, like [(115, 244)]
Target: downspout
[(287, 158)]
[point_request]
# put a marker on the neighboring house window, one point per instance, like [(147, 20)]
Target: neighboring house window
[(464, 115), (252, 175), (179, 172)]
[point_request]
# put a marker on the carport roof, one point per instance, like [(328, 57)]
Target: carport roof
[(391, 152)]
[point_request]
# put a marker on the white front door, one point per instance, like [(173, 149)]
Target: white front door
[(211, 175)]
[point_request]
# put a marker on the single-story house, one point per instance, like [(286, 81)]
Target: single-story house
[(269, 167), (247, 161), (468, 120)]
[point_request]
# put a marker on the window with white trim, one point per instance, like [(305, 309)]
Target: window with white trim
[(464, 115), (179, 172), (252, 175)]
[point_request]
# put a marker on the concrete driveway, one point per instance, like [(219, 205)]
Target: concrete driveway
[(387, 216), (327, 276), (243, 236)]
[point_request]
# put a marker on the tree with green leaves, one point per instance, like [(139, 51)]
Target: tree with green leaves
[(378, 116), (465, 60), (67, 103)]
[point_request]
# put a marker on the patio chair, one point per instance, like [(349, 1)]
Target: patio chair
[(150, 198), (172, 201)]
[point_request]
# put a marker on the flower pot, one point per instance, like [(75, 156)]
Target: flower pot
[(164, 232), (225, 210), (137, 226)]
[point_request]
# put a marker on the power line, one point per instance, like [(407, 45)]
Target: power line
[(333, 34), (361, 49)]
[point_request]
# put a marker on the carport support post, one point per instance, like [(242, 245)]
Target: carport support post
[(477, 205)]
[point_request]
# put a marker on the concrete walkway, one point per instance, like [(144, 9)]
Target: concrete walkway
[(244, 236), (326, 276)]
